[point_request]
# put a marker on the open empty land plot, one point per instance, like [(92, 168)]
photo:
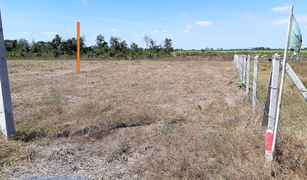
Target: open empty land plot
[(134, 120)]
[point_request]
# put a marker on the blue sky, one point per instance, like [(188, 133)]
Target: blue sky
[(191, 24)]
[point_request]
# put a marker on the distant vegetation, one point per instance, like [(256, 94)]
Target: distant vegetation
[(257, 50), (116, 48), (61, 48)]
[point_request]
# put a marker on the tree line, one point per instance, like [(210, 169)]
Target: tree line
[(115, 48)]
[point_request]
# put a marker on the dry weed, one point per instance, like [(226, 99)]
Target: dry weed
[(147, 120)]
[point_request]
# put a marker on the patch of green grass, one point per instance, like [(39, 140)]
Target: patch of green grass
[(50, 70), (152, 147)]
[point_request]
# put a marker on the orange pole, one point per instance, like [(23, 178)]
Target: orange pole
[(78, 47)]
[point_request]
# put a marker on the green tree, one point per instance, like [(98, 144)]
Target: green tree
[(100, 42), (10, 45), (45, 47), (56, 42), (70, 46), (147, 40), (82, 42), (123, 46), (168, 46), (35, 48), (115, 44), (135, 50), (23, 45)]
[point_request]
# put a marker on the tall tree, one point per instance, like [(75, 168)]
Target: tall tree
[(10, 45), (135, 50), (123, 46), (100, 42), (82, 41), (147, 40), (24, 45), (168, 45), (56, 42), (35, 48), (115, 44)]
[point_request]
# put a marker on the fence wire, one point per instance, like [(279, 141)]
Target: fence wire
[(294, 105)]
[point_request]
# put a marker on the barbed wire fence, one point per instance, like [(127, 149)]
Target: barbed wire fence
[(255, 75)]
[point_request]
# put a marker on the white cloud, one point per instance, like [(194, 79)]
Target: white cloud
[(213, 7), (248, 13), (204, 23), (94, 36), (155, 31), (188, 28), (285, 19), (300, 18), (50, 33), (143, 35), (165, 31), (113, 29), (84, 1), (183, 14), (136, 35), (24, 32), (281, 21), (282, 8)]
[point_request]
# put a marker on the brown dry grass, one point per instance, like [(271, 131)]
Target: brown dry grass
[(130, 120)]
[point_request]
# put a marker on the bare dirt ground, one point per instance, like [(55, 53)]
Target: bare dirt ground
[(130, 120)]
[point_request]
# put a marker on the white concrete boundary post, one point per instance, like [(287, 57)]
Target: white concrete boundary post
[(241, 66), (237, 61), (272, 111), (248, 73), (6, 112), (244, 68), (255, 79)]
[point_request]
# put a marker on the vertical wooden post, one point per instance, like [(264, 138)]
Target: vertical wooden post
[(273, 103), (255, 79), (244, 68), (6, 111), (248, 73)]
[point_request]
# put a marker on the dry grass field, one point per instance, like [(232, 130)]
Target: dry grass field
[(139, 120)]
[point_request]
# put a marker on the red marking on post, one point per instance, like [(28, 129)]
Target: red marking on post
[(78, 47), (269, 140)]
